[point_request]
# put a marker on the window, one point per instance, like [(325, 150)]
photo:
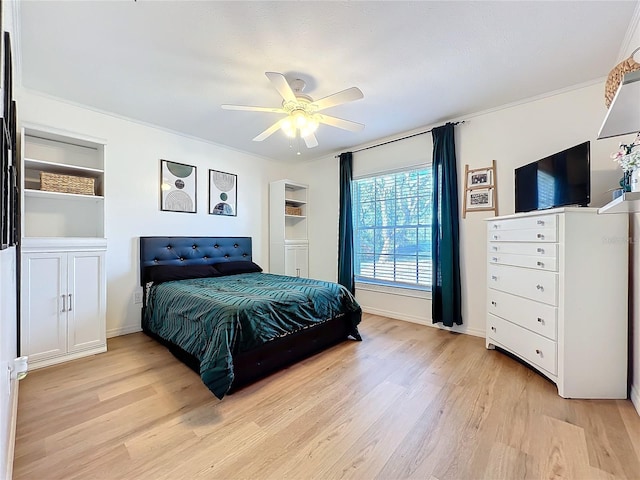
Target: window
[(392, 228)]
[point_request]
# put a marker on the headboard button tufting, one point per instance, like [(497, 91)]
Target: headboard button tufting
[(182, 259), (168, 247), (216, 246), (244, 254), (194, 247), (226, 256), (235, 245), (205, 257)]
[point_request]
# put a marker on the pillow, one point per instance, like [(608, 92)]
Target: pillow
[(167, 273), (232, 268)]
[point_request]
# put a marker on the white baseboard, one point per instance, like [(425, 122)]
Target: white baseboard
[(635, 398), (422, 321), (13, 419), (127, 329)]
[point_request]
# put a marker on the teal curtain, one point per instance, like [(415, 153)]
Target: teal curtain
[(345, 228), (445, 238)]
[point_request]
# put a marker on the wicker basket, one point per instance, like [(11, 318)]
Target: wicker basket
[(288, 210), (615, 76), (54, 182)]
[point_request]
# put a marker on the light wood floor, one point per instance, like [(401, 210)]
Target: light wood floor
[(407, 402)]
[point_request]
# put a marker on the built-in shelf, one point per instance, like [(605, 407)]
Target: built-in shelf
[(294, 202), (300, 217), (54, 167), (628, 202), (58, 195), (623, 116)]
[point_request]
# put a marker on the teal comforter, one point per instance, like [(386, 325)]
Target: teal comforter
[(214, 318)]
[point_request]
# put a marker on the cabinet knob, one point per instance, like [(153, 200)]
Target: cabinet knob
[(540, 320), (495, 304), (495, 225), (70, 302), (538, 352), (540, 250), (540, 236), (495, 259), (64, 303), (495, 237), (540, 287), (540, 264), (493, 277), (540, 222), (493, 329), (494, 248)]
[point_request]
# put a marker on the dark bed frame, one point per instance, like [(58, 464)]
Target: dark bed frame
[(259, 362)]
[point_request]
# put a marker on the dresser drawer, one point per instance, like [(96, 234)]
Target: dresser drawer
[(522, 248), (534, 348), (525, 223), (539, 235), (539, 263), (537, 317), (537, 285)]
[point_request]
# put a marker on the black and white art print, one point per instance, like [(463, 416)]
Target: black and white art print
[(178, 187), (223, 193)]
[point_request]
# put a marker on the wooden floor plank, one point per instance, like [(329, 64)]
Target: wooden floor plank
[(408, 402)]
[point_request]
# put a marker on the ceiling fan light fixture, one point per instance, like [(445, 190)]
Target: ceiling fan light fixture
[(299, 121)]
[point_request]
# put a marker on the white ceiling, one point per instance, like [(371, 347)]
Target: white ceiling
[(173, 63)]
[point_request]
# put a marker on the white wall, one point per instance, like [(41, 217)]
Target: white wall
[(513, 136), (132, 159)]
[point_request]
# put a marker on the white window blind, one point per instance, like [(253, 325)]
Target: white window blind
[(392, 228)]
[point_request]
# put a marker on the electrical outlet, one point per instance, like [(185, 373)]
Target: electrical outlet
[(137, 298)]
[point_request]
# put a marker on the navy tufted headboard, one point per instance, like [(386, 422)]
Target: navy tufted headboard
[(191, 251)]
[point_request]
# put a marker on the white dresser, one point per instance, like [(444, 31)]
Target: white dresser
[(557, 297)]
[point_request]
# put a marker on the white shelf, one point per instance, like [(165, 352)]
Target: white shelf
[(623, 116), (295, 216), (59, 195), (53, 167), (294, 202), (628, 202)]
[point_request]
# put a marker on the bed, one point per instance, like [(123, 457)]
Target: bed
[(237, 324)]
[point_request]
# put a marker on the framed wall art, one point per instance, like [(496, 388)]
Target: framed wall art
[(178, 187), (223, 193), (480, 190)]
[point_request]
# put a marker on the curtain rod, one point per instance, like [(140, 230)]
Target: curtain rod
[(398, 139)]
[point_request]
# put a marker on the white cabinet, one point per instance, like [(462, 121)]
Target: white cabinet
[(63, 277), (557, 297), (288, 238), (63, 303), (296, 260)]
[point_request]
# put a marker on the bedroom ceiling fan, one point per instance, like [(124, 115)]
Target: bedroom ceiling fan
[(302, 112)]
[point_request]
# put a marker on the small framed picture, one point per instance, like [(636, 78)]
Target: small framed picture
[(479, 178), (479, 199), (223, 193), (178, 187)]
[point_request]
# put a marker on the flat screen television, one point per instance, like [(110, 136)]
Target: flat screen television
[(558, 180)]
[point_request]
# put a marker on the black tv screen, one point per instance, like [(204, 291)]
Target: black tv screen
[(558, 180)]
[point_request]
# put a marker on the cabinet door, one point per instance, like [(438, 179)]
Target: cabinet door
[(296, 260), (86, 300), (44, 305)]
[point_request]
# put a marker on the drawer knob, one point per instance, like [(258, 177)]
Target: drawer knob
[(493, 329), (540, 236), (495, 237), (495, 259), (540, 222), (494, 303), (540, 287), (540, 264), (494, 248), (540, 250), (495, 225), (540, 321), (493, 277), (538, 352)]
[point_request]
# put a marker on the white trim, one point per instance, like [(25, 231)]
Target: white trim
[(126, 330), (13, 418), (62, 244), (408, 168), (423, 321), (393, 290), (46, 362), (635, 398)]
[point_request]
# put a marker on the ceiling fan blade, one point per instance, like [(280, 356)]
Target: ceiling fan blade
[(269, 131), (340, 123), (310, 140), (348, 95), (252, 109), (281, 84)]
